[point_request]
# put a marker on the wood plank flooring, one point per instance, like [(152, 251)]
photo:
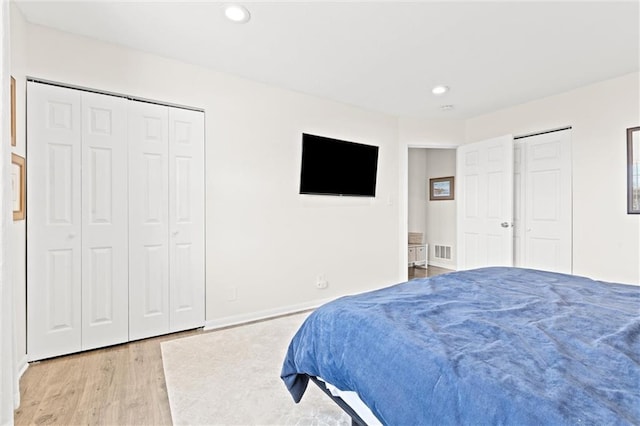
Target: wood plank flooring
[(417, 272), (119, 385)]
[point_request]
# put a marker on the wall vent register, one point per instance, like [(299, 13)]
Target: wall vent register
[(442, 252)]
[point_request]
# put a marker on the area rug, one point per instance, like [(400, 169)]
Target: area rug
[(232, 377)]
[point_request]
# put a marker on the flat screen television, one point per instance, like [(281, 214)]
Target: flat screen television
[(337, 167)]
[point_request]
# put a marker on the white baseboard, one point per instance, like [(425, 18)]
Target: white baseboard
[(262, 315), (23, 364), (445, 265), (21, 367)]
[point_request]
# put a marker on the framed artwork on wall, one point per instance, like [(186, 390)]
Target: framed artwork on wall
[(18, 188), (633, 170), (441, 188)]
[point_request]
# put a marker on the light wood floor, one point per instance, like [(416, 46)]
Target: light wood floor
[(119, 385), (432, 271)]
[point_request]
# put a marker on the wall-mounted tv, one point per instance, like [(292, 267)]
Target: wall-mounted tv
[(337, 167)]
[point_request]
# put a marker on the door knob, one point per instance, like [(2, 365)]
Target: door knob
[(505, 224)]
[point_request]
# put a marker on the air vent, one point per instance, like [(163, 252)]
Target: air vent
[(443, 252)]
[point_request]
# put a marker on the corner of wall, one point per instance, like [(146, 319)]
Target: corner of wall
[(17, 229)]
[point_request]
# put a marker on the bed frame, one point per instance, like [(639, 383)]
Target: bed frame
[(576, 323), (356, 420)]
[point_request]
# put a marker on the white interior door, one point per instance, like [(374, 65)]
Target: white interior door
[(544, 234), (484, 190), (148, 220), (186, 219), (53, 221), (105, 315)]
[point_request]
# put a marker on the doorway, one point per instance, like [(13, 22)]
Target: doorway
[(433, 220), (529, 204)]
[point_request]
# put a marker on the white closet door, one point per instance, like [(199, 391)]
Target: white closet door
[(547, 202), (186, 219), (53, 221), (519, 173), (484, 190), (104, 221), (148, 220)]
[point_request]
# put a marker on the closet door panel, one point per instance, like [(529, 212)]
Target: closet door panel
[(53, 221), (186, 219), (104, 221), (547, 202), (148, 220)]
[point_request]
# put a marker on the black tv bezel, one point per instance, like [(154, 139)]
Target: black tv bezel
[(359, 194)]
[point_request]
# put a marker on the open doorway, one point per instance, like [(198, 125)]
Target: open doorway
[(431, 219), (542, 191)]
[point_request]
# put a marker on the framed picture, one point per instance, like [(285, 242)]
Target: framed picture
[(441, 188), (13, 111), (18, 189), (633, 170)]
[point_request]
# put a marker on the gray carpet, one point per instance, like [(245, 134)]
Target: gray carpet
[(232, 377)]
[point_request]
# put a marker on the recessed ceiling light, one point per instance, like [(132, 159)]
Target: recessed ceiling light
[(237, 13), (439, 90), (446, 107)]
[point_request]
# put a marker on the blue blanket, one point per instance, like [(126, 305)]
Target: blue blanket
[(487, 346)]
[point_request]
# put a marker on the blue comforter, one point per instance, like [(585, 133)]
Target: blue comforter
[(486, 346)]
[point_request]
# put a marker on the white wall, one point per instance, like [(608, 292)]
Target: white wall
[(441, 133), (417, 190), (606, 240), (265, 243)]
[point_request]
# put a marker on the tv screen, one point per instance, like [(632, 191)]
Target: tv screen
[(336, 167)]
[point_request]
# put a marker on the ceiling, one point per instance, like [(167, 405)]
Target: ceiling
[(383, 56)]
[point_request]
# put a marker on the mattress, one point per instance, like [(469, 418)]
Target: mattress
[(487, 346)]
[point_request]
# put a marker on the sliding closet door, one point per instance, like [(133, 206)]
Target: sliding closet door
[(53, 221), (148, 220), (186, 218), (105, 314)]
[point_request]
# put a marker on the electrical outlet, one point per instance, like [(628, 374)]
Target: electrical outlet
[(321, 282)]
